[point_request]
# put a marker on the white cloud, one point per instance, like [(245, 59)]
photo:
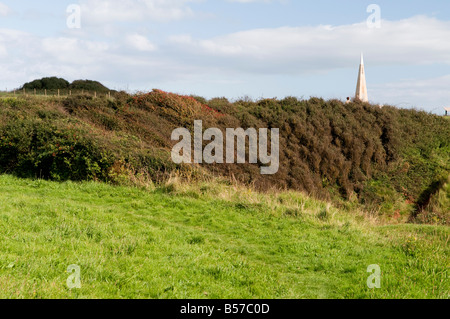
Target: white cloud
[(131, 56), (12, 40), (3, 52), (115, 62), (140, 43), (421, 93), (4, 10), (104, 11), (72, 51), (413, 41)]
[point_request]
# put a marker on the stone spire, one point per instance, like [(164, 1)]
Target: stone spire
[(361, 87)]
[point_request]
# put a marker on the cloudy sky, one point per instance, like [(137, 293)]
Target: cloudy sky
[(235, 48)]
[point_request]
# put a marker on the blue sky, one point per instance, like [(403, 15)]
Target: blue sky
[(235, 48)]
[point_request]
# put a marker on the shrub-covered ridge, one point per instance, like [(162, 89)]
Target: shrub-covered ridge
[(385, 159)]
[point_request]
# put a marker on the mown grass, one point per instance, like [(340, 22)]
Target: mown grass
[(205, 241)]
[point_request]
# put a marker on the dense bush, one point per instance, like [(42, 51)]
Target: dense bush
[(89, 85), (51, 83), (54, 83), (178, 108), (33, 147)]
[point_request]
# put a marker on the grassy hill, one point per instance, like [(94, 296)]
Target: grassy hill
[(205, 240), (389, 161), (89, 181)]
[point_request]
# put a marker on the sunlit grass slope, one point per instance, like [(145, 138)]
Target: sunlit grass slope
[(205, 241)]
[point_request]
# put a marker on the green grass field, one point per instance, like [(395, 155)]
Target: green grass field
[(205, 241)]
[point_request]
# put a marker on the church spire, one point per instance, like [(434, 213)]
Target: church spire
[(361, 87)]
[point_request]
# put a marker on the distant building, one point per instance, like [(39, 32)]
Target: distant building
[(361, 86), (447, 111)]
